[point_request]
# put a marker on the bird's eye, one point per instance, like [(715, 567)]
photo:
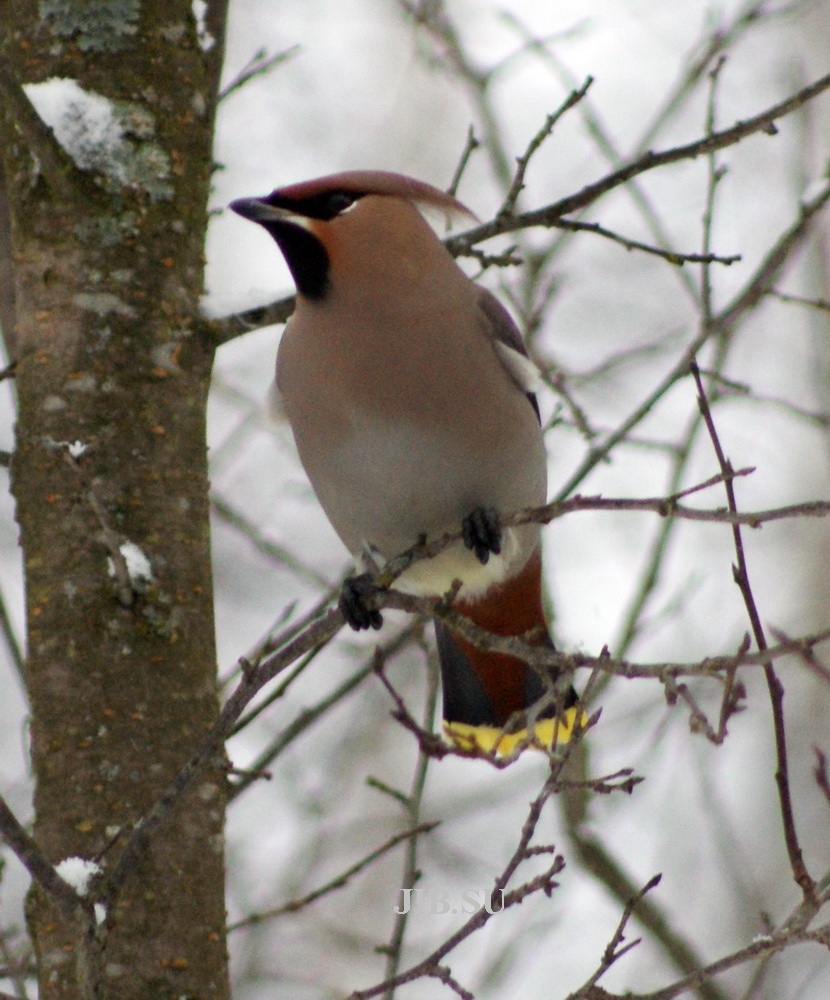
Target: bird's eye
[(339, 202)]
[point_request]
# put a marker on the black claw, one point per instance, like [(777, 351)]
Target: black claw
[(353, 596), (482, 532)]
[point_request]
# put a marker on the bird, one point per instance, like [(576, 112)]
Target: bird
[(411, 399)]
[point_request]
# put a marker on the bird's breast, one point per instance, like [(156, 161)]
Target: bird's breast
[(404, 434)]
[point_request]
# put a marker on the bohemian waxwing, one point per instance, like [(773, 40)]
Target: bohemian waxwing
[(410, 397)]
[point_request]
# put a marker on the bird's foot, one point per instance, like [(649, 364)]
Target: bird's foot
[(482, 533), (354, 595)]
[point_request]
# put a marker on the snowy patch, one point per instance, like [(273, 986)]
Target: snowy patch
[(138, 565), (103, 303), (78, 872), (113, 138), (75, 448), (234, 301), (206, 40)]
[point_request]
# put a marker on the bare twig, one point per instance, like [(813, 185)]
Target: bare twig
[(266, 546), (553, 213), (808, 656), (603, 141), (668, 507), (776, 689), (37, 864), (820, 304), (615, 949), (523, 161), (672, 256), (541, 883), (470, 147), (259, 64), (412, 805), (433, 17), (721, 325), (220, 331), (700, 59), (12, 643), (338, 882), (305, 719)]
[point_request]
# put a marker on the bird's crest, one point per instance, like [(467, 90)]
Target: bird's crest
[(382, 182)]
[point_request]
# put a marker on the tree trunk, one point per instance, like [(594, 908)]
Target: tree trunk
[(110, 469)]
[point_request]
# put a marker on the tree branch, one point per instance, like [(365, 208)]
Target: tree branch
[(63, 177), (552, 214)]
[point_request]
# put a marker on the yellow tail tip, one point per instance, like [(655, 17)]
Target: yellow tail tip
[(547, 733)]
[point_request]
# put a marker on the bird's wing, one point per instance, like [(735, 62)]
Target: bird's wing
[(510, 347)]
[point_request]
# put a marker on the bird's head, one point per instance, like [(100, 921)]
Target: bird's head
[(316, 222)]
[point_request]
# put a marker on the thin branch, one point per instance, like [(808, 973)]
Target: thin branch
[(821, 304), (602, 140), (668, 507), (807, 656), (277, 693), (614, 949), (523, 161), (305, 719), (264, 545), (12, 644), (722, 324), (552, 214), (412, 805), (338, 882), (37, 864), (219, 331), (545, 882), (259, 64), (599, 862), (672, 256), (63, 177), (699, 60), (470, 146), (543, 659), (760, 948), (776, 689)]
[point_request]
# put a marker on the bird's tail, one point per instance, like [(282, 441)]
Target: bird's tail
[(482, 689)]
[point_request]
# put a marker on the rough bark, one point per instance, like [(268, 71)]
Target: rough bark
[(107, 273)]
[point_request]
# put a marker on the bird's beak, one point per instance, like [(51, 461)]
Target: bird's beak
[(258, 210)]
